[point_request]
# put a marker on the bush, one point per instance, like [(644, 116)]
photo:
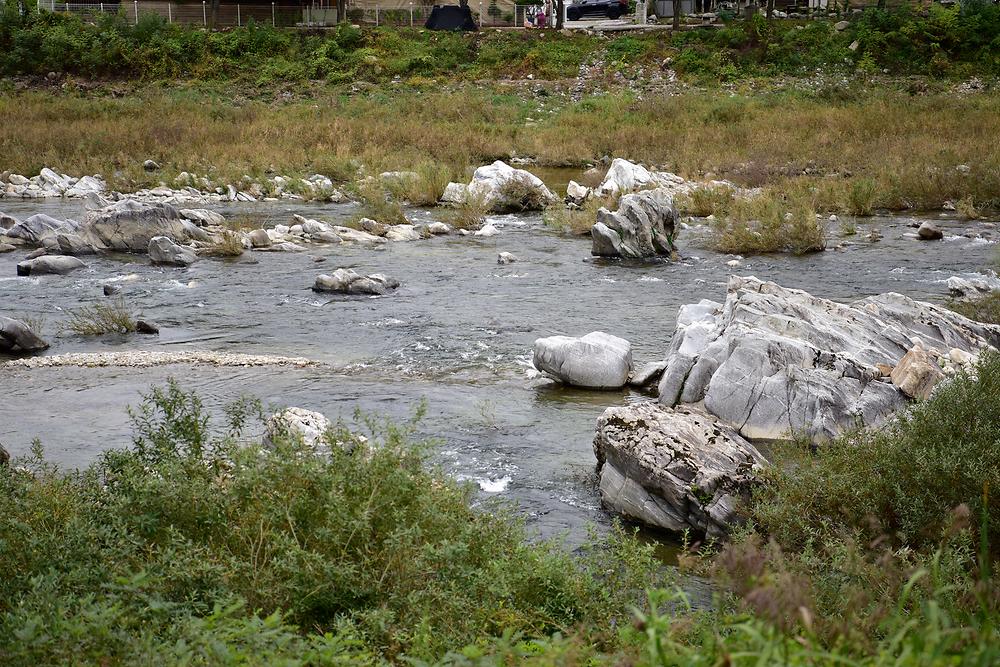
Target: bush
[(470, 214), (985, 308), (900, 482), (379, 205), (169, 548)]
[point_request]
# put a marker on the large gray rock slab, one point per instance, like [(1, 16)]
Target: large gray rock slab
[(59, 264), (35, 229), (67, 244), (129, 225), (775, 362), (643, 226), (595, 361), (16, 336), (673, 468), (163, 250)]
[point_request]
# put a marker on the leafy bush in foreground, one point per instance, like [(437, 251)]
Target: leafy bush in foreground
[(193, 545)]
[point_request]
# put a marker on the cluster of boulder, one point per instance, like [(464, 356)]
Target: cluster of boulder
[(769, 363), (186, 188), (349, 281), (501, 188), (643, 226)]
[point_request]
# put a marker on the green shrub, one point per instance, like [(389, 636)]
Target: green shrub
[(766, 223), (985, 308), (196, 544), (901, 481)]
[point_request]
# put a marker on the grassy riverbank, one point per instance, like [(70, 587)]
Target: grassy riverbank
[(196, 546), (851, 148)]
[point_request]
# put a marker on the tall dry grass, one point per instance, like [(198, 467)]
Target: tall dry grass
[(883, 149)]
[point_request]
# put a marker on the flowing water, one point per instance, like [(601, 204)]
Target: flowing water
[(457, 335)]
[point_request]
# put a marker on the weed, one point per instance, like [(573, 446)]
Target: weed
[(103, 318), (379, 205), (470, 214), (227, 244), (966, 207)]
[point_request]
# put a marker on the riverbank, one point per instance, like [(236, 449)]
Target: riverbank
[(874, 145)]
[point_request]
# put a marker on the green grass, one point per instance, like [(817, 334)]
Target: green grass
[(103, 318), (984, 308)]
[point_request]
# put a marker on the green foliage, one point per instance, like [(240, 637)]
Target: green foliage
[(901, 481), (957, 41), (766, 222), (985, 308), (196, 546)]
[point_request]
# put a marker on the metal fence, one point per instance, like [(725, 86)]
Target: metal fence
[(486, 13), (194, 13)]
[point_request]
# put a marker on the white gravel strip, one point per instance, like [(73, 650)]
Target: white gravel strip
[(145, 359)]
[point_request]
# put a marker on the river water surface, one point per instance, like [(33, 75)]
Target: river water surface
[(457, 335)]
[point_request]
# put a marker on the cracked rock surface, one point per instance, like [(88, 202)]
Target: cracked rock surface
[(772, 362), (673, 468)]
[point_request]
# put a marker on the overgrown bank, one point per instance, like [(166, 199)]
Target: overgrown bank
[(196, 546), (862, 150)]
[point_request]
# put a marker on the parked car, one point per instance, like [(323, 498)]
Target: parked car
[(613, 9)]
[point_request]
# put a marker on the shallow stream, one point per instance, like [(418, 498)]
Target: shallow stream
[(458, 334)]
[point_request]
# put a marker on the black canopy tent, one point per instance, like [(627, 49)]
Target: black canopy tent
[(450, 17)]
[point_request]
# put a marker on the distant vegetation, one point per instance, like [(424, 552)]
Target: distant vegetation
[(957, 42)]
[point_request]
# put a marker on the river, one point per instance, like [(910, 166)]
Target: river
[(457, 335)]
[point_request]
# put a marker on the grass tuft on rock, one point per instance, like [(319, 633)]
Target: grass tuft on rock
[(470, 214), (983, 308), (228, 244), (103, 318)]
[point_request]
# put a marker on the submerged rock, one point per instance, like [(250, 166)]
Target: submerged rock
[(147, 327), (349, 281), (58, 264), (774, 362), (16, 336), (673, 468), (595, 361), (506, 258), (163, 250), (642, 227), (929, 232)]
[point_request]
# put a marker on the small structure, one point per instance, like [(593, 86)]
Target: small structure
[(450, 17)]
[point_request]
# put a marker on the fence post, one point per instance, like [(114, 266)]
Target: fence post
[(411, 14), (204, 15), (239, 21), (135, 3), (376, 16), (170, 14), (102, 7), (273, 23)]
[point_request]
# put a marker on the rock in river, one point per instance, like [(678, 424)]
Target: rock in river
[(16, 336), (163, 250), (773, 362), (643, 226), (35, 229), (49, 264), (311, 427), (595, 361), (129, 226), (349, 281), (502, 188), (673, 468), (929, 232)]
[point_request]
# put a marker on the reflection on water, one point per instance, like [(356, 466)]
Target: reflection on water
[(458, 334)]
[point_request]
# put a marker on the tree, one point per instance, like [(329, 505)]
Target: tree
[(559, 14), (342, 11), (678, 8), (770, 9)]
